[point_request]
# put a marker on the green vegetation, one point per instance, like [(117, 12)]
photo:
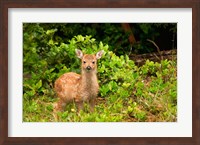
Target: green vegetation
[(127, 92), (113, 34)]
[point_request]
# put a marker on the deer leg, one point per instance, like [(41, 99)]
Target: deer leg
[(79, 105), (92, 104), (58, 106)]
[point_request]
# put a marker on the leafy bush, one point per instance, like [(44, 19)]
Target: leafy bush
[(110, 33), (127, 92)]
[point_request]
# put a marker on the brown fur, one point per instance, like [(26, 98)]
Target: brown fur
[(79, 88)]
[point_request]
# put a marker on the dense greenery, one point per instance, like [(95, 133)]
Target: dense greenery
[(127, 92), (164, 34)]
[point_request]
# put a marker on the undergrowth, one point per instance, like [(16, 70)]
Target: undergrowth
[(128, 93)]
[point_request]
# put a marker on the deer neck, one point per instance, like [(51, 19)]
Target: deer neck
[(88, 79)]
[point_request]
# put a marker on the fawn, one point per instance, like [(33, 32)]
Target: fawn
[(79, 88)]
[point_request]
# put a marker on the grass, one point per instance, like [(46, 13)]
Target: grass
[(153, 99)]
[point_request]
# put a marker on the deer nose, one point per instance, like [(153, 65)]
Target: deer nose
[(88, 67)]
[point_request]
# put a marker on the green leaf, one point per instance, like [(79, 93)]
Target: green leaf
[(38, 85)]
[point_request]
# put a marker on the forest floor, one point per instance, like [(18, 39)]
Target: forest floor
[(152, 100)]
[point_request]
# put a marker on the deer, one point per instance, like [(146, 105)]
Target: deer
[(78, 88)]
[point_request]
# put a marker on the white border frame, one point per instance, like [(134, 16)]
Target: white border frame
[(181, 128)]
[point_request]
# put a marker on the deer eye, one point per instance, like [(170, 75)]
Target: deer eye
[(93, 62), (84, 61)]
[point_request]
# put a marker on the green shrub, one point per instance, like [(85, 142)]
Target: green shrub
[(124, 95)]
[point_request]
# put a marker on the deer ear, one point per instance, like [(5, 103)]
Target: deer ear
[(79, 53), (99, 54)]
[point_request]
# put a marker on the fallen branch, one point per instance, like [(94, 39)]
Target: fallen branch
[(141, 59), (158, 49)]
